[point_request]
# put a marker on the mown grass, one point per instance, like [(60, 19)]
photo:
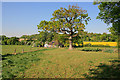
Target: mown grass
[(53, 63), (15, 65), (10, 49)]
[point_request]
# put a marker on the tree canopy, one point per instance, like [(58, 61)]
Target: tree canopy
[(110, 13), (69, 21)]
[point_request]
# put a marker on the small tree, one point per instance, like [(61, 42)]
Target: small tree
[(69, 21)]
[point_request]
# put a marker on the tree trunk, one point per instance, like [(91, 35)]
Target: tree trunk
[(70, 43)]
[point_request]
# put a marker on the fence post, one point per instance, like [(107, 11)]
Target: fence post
[(15, 51), (105, 49), (115, 50), (22, 50)]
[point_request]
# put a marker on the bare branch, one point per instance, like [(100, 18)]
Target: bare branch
[(75, 35)]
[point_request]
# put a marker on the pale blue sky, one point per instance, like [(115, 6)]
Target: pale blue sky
[(22, 18), (47, 0)]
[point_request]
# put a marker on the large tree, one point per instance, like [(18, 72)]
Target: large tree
[(110, 13), (69, 21)]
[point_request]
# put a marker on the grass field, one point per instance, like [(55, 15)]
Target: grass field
[(9, 49), (54, 63)]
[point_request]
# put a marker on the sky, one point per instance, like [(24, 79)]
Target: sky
[(22, 18)]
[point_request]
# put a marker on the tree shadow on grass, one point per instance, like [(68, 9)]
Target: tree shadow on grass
[(104, 70), (6, 55)]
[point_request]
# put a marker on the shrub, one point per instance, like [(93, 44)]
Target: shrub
[(4, 42), (29, 43), (17, 43), (100, 46), (91, 49), (22, 42), (66, 45), (36, 44), (87, 45)]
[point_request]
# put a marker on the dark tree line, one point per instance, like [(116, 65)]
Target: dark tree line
[(9, 41), (44, 36), (97, 37)]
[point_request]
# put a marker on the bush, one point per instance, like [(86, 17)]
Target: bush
[(4, 42), (100, 46), (22, 42), (17, 43), (89, 45), (29, 43), (91, 49), (36, 44), (66, 45)]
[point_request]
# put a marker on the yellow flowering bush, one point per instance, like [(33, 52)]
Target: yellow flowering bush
[(76, 44), (101, 43)]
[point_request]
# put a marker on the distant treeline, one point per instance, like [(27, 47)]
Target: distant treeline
[(40, 39)]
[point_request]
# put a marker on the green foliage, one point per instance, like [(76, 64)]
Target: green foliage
[(9, 41), (29, 42), (91, 49), (4, 37), (4, 42), (50, 36), (69, 21), (97, 37), (13, 40), (89, 45), (77, 40), (43, 36), (61, 38), (22, 42), (115, 29), (66, 44), (24, 36), (110, 13), (36, 44), (17, 43)]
